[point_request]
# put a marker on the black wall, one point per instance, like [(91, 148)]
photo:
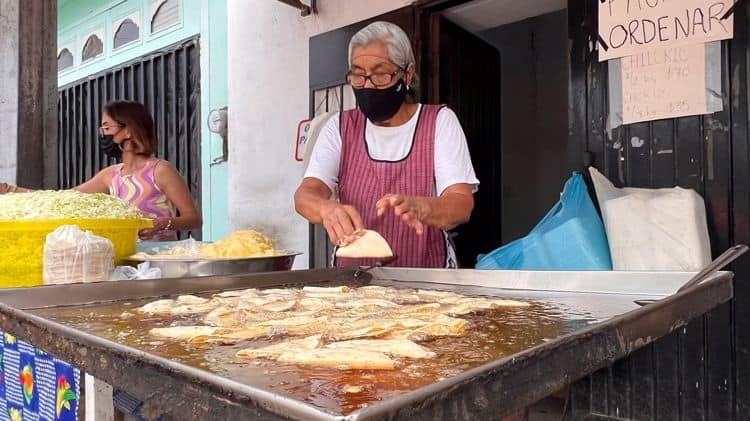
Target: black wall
[(534, 118), (469, 76), (701, 372)]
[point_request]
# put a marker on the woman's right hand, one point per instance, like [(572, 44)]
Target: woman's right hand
[(342, 222)]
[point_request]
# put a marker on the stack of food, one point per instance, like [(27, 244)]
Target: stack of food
[(371, 327), (238, 245), (71, 255)]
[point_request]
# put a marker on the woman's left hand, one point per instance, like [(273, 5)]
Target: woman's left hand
[(160, 224), (412, 209)]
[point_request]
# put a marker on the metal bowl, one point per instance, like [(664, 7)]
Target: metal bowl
[(179, 268)]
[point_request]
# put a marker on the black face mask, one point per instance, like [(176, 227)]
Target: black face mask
[(109, 147), (381, 104)]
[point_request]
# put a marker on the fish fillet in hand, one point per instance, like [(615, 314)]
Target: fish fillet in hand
[(370, 244)]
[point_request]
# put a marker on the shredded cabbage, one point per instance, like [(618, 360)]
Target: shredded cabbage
[(65, 204)]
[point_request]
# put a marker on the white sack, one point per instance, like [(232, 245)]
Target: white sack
[(144, 271), (653, 229)]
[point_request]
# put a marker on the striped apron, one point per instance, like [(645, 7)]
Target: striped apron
[(364, 180)]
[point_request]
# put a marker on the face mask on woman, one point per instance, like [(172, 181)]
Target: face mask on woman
[(109, 147), (381, 104)]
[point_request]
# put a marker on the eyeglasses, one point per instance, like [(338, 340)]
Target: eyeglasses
[(377, 79), (104, 128)]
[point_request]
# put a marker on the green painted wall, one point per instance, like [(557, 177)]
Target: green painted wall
[(206, 18), (214, 85)]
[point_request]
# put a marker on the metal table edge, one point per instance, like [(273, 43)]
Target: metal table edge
[(719, 288)]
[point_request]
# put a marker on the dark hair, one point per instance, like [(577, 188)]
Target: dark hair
[(137, 119)]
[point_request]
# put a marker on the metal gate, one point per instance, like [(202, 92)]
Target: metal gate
[(168, 82)]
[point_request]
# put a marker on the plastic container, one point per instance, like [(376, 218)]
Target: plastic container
[(22, 244)]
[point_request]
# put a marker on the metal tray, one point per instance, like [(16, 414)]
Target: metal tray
[(486, 392), (180, 268)]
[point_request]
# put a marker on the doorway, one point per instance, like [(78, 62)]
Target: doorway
[(503, 67)]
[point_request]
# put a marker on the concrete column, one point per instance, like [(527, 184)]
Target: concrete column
[(8, 89), (28, 92), (99, 404)]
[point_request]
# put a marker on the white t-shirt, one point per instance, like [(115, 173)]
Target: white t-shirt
[(452, 160)]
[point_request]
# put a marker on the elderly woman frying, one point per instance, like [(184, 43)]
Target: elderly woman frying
[(400, 168)]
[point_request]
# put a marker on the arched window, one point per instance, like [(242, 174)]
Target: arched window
[(64, 60), (166, 15), (93, 48), (127, 32)]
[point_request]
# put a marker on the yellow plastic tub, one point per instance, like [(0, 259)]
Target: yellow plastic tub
[(22, 244)]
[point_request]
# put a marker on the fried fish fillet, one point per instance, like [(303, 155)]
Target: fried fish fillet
[(182, 332), (299, 326), (374, 290), (187, 309), (315, 304), (238, 293), (362, 302), (191, 299), (369, 244), (440, 326), (395, 347), (261, 301), (279, 306), (472, 305), (420, 309), (375, 329), (421, 330), (157, 307), (273, 351), (442, 297), (326, 290), (343, 359), (231, 335), (225, 316)]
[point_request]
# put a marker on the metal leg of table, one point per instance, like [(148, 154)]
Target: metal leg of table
[(99, 405)]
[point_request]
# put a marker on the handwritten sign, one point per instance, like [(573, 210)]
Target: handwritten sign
[(664, 83), (630, 26)]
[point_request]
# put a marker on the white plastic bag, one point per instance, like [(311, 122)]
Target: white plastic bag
[(72, 255), (653, 229), (189, 248), (144, 271)]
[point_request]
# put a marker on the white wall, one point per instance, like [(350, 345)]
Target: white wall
[(268, 96)]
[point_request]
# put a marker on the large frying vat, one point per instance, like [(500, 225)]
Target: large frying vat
[(486, 392)]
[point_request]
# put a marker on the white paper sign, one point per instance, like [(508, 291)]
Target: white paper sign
[(631, 26), (664, 83)]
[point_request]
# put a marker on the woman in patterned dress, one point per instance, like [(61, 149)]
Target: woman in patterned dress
[(148, 183)]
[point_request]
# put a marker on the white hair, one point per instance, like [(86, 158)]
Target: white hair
[(396, 41)]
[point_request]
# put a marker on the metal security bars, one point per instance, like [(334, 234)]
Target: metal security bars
[(168, 82)]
